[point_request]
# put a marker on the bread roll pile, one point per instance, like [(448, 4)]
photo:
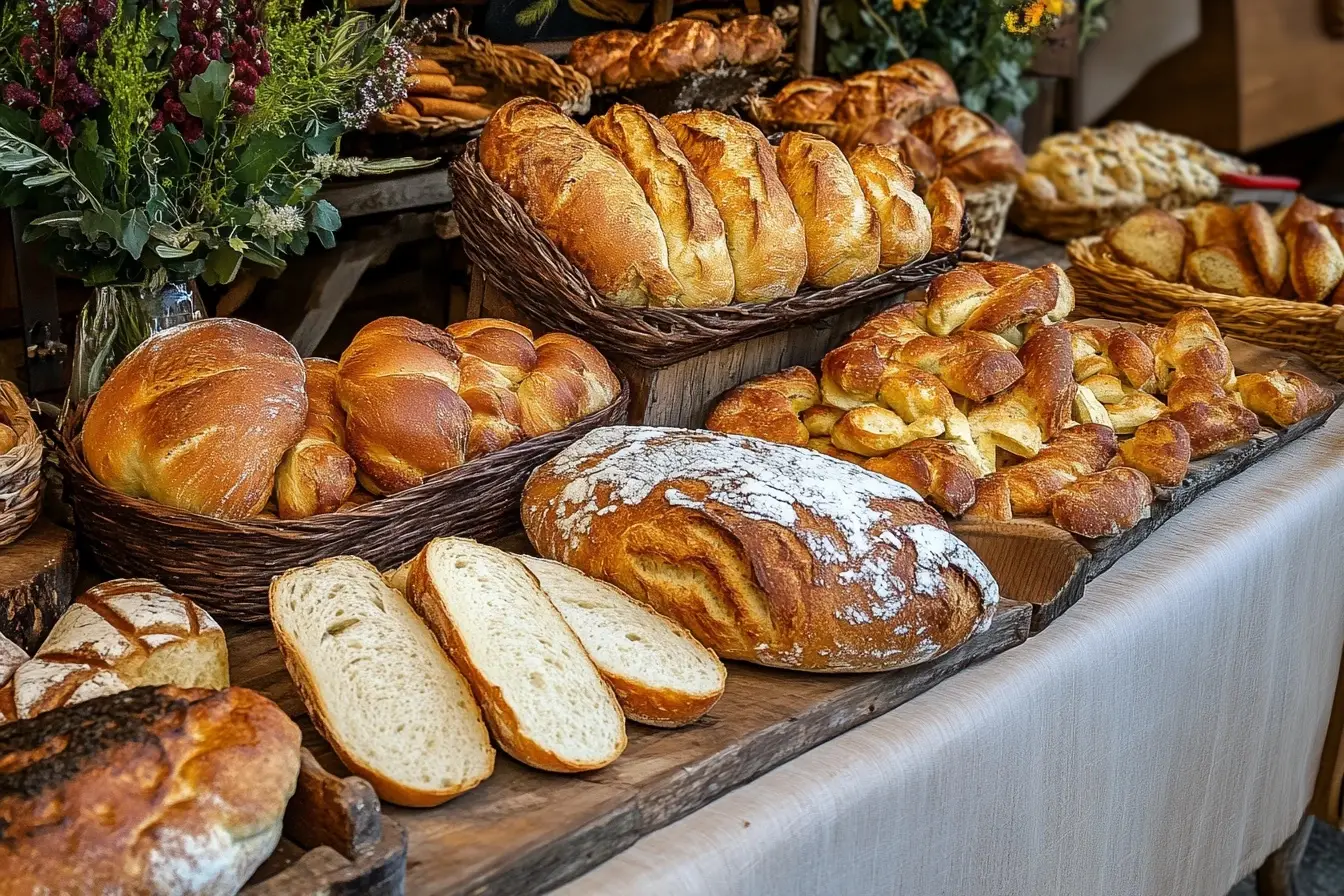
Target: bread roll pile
[(699, 210), (674, 50), (434, 92), (1243, 251), (987, 405), (220, 416)]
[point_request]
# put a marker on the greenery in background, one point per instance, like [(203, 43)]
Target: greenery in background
[(172, 139), (1092, 20), (985, 45)]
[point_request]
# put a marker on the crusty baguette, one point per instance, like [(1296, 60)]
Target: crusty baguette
[(661, 675), (376, 684), (544, 700), (437, 107), (430, 84), (429, 67)]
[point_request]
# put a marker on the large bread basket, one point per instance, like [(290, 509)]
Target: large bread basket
[(535, 275), (1106, 287), (226, 566)]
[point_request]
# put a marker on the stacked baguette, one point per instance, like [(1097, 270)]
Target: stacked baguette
[(410, 683), (699, 210), (219, 416), (675, 49), (434, 92), (1243, 251)]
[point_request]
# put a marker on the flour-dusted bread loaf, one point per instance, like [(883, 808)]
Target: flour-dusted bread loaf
[(155, 792), (583, 199), (198, 417), (661, 675), (377, 684), (544, 701), (737, 165), (316, 475), (116, 636), (697, 248), (768, 553), (844, 237)]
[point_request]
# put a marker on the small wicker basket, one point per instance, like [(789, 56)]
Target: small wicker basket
[(1105, 287), (987, 208), (722, 88), (1063, 221), (20, 467), (226, 566)]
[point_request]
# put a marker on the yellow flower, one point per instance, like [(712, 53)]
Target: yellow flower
[(899, 5)]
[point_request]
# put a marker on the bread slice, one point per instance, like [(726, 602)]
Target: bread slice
[(376, 684), (1151, 240), (1267, 247), (661, 675), (1223, 270), (544, 700)]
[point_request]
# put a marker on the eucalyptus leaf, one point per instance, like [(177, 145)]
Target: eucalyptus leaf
[(222, 265), (326, 218), (46, 180), (100, 223), (261, 156), (323, 141), (56, 219), (15, 163), (171, 252), (262, 257), (134, 232)]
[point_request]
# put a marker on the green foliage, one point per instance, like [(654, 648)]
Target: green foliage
[(966, 37), (124, 74), (1092, 20)]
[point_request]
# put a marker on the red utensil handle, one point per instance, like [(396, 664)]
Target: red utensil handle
[(1260, 181)]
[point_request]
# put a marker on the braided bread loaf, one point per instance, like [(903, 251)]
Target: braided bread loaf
[(316, 475)]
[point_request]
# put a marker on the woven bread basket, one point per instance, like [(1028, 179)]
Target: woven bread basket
[(987, 208), (1063, 221), (535, 275), (1105, 287), (722, 87), (226, 566), (20, 467)]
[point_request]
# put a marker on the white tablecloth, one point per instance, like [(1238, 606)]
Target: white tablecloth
[(1161, 738)]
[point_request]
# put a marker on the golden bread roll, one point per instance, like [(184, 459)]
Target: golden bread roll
[(571, 381), (1028, 488), (947, 209), (808, 99), (1215, 224), (906, 227), (935, 470), (604, 57), (1191, 345), (1302, 209), (1265, 244), (697, 247), (404, 420), (765, 235), (1103, 503), (198, 418), (881, 95), (583, 199), (751, 40), (8, 438), (673, 50), (769, 407), (430, 84), (1151, 240), (438, 107), (1315, 263), (316, 475), (1215, 425), (496, 357), (917, 155), (1283, 396), (1159, 450), (929, 78), (972, 148), (844, 237)]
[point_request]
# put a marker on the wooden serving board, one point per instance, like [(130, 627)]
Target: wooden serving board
[(525, 831)]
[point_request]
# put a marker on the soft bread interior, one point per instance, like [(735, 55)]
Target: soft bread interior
[(387, 696), (632, 646), (544, 699)]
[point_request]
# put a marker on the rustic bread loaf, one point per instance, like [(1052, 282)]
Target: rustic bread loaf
[(1316, 263), (377, 685), (497, 356), (544, 701), (11, 658), (906, 228), (155, 791), (1215, 224), (1224, 270), (765, 235), (927, 77), (720, 533), (937, 471), (843, 234), (808, 99), (397, 383), (582, 198), (751, 40), (697, 248), (198, 418), (913, 152), (316, 475), (880, 94), (604, 57), (673, 50), (571, 381), (662, 676), (972, 148)]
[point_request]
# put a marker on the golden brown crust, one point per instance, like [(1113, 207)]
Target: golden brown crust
[(808, 100), (936, 470), (927, 77), (768, 407), (879, 94), (1315, 263), (198, 418), (905, 224), (1103, 503), (1302, 209), (1191, 345), (995, 273), (1047, 386), (604, 57), (1215, 224), (673, 50), (1265, 244), (971, 364), (947, 208), (843, 234), (972, 148), (1225, 270), (566, 181), (571, 380), (751, 40), (316, 475), (1028, 488), (1151, 240), (1283, 396), (1160, 450), (1214, 425)]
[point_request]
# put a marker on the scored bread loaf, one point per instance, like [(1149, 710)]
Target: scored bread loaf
[(768, 553), (906, 228), (697, 248), (155, 792), (737, 165), (544, 701), (972, 148), (750, 40), (198, 416), (377, 685), (582, 198), (673, 50), (316, 475), (843, 234), (662, 676), (119, 635), (604, 57), (808, 99)]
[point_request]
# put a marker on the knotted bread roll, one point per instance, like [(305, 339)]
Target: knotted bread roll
[(316, 475), (571, 381), (843, 234), (198, 418), (497, 355), (973, 148)]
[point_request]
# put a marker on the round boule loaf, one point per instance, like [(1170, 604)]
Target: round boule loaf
[(768, 553)]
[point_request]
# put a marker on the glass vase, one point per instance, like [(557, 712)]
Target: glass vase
[(118, 319)]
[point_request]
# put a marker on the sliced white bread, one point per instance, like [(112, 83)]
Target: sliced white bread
[(661, 675), (545, 702), (396, 578), (377, 685)]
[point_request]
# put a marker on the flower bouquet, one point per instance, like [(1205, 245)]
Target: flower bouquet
[(157, 142)]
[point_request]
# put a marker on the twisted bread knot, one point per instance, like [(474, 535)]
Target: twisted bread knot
[(965, 298), (936, 470), (317, 475), (1283, 396), (1028, 488), (1191, 345), (1038, 407), (769, 407), (973, 148), (1214, 420)]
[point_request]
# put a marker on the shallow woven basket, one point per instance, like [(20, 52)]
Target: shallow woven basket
[(536, 276), (1061, 221), (987, 208), (1105, 287), (721, 88), (226, 566), (20, 467), (507, 71)]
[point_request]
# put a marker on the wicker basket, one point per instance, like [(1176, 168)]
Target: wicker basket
[(987, 208), (226, 566), (721, 88), (20, 467), (1062, 221), (1105, 287), (535, 275)]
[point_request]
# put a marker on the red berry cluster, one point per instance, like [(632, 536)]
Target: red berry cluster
[(250, 60), (201, 34), (66, 32)]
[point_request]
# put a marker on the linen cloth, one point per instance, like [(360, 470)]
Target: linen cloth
[(1160, 739)]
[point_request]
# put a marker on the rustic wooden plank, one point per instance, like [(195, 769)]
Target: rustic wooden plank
[(327, 810), (805, 55), (380, 195), (37, 582)]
